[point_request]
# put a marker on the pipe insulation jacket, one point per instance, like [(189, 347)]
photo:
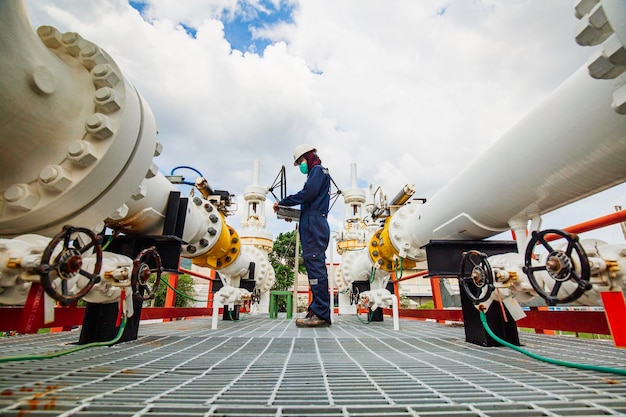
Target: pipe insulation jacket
[(571, 146)]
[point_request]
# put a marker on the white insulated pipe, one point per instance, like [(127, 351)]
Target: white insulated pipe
[(77, 144), (77, 140), (571, 146)]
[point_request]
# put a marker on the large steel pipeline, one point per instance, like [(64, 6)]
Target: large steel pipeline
[(571, 146), (76, 148)]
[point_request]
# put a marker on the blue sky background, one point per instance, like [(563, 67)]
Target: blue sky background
[(241, 24), (410, 91)]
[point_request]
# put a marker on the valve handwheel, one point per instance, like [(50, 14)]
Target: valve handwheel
[(142, 271), (256, 297), (560, 265), (479, 279), (354, 296), (69, 263)]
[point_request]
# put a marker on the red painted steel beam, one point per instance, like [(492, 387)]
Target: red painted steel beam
[(572, 321), (451, 315), (68, 317), (170, 313), (569, 321), (615, 308), (63, 317)]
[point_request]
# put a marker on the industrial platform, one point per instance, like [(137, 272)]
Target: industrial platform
[(268, 367)]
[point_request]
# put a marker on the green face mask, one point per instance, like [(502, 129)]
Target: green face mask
[(304, 168)]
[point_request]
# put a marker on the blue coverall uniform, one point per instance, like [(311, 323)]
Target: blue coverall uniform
[(314, 200)]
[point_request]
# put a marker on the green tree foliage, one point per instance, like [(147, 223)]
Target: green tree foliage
[(185, 286), (283, 258), (405, 302)]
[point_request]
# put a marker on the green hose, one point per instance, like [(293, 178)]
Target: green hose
[(65, 352), (369, 318), (182, 294), (483, 319)]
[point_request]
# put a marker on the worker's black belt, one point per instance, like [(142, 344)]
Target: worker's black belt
[(318, 214)]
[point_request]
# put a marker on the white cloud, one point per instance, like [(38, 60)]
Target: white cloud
[(410, 91)]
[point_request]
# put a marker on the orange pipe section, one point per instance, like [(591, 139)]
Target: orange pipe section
[(170, 294), (415, 275), (597, 223), (193, 273)]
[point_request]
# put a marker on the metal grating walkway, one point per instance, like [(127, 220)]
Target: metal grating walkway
[(263, 367)]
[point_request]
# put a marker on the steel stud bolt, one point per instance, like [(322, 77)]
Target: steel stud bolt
[(91, 56), (73, 43), (55, 178), (99, 126), (21, 197), (81, 153), (49, 36), (107, 100), (104, 76)]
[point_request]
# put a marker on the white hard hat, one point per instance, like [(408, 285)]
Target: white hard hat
[(301, 150)]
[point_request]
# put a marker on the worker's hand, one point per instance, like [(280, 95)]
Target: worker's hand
[(275, 207)]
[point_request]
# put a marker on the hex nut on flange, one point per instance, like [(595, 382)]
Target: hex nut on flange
[(99, 126), (140, 192), (73, 43), (50, 36), (21, 197), (104, 76), (120, 213), (81, 153), (107, 100), (55, 178), (90, 56), (152, 171), (158, 149)]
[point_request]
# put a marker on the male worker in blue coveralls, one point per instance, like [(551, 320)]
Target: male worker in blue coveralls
[(314, 199)]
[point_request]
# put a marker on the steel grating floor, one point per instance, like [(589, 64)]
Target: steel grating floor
[(263, 367)]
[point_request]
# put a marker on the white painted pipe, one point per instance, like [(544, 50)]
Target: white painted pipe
[(394, 306), (570, 147), (216, 311)]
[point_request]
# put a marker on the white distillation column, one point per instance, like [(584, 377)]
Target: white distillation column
[(571, 146), (354, 246), (350, 240)]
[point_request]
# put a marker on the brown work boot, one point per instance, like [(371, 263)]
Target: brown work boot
[(312, 321)]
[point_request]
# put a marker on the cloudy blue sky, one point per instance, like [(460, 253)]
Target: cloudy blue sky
[(410, 91)]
